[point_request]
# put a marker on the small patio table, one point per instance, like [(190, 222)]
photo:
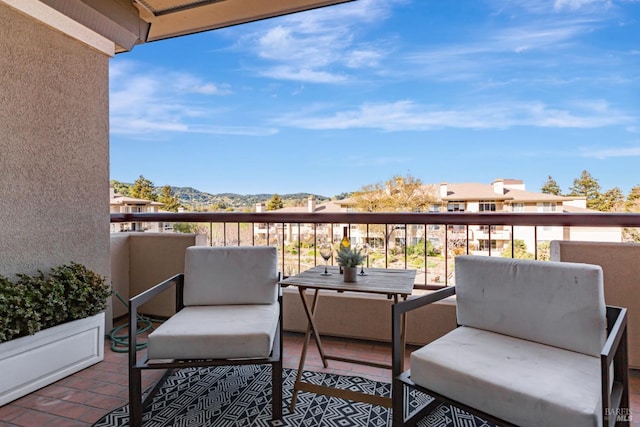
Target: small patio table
[(393, 283)]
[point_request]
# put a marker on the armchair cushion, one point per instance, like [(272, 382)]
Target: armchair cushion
[(216, 332), (519, 381), (230, 275), (553, 303)]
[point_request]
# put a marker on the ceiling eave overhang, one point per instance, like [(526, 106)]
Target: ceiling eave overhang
[(116, 20), (131, 22), (209, 15)]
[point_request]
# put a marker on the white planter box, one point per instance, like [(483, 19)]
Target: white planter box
[(31, 362)]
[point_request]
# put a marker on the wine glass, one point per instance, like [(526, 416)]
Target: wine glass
[(364, 247), (325, 252)]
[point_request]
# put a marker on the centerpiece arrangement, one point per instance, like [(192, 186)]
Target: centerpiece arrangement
[(349, 258)]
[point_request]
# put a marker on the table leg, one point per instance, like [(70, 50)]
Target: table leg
[(311, 327)]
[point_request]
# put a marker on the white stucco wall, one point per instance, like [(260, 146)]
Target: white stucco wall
[(54, 148)]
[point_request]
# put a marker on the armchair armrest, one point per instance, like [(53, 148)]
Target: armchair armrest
[(397, 312), (615, 397), (148, 295)]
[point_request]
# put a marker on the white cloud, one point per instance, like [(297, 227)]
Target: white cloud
[(542, 7), (410, 116), (539, 35), (360, 58), (319, 46), (612, 152), (145, 102), (303, 75), (579, 4), (188, 83)]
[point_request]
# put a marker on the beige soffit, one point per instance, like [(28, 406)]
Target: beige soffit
[(64, 23), (130, 22), (171, 18)]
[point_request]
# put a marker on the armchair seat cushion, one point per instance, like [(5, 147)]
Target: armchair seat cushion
[(216, 332), (520, 381)]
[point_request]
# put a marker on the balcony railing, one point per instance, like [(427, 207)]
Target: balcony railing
[(427, 242)]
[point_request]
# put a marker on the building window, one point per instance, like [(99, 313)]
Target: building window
[(517, 207), (456, 207), (487, 206), (484, 245), (547, 207), (434, 208), (134, 209)]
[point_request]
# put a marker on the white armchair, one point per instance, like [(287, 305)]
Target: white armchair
[(536, 346), (228, 311)]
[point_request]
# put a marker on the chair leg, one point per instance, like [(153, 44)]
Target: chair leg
[(135, 397), (276, 399), (397, 399)]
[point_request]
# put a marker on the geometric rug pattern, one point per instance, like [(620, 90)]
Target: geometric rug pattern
[(240, 396)]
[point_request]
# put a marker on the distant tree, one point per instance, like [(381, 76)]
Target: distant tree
[(588, 187), (185, 227), (544, 251), (342, 196), (520, 250), (121, 187), (632, 203), (551, 187), (143, 189), (170, 202), (611, 200), (398, 194), (275, 203)]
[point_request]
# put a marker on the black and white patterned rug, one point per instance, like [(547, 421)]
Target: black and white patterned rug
[(233, 396)]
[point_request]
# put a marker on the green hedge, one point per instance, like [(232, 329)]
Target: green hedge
[(32, 303)]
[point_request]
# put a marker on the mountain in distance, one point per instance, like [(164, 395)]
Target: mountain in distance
[(189, 196)]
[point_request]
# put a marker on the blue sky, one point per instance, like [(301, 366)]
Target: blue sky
[(330, 100)]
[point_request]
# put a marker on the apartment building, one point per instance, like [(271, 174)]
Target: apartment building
[(305, 231), (510, 195), (123, 204), (500, 196)]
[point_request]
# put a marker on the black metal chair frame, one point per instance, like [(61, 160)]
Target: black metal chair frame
[(615, 402), (137, 405)]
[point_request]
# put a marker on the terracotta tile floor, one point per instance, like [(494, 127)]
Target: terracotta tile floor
[(83, 398)]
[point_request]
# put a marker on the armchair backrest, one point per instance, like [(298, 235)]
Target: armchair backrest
[(230, 275), (555, 303)]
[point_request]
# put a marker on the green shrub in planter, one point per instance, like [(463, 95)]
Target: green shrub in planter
[(38, 302), (85, 291), (19, 314), (48, 296)]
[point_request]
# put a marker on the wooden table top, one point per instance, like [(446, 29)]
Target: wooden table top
[(378, 280)]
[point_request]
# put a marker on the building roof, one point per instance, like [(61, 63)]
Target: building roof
[(477, 192), (469, 191), (577, 209), (124, 200), (322, 208)]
